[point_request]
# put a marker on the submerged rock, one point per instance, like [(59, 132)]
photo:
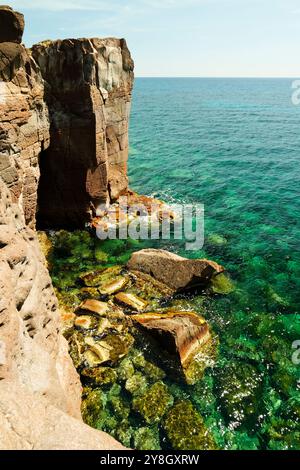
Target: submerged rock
[(185, 428), (94, 306), (152, 371), (153, 404), (114, 286), (239, 388), (136, 384), (85, 322), (176, 272), (101, 277), (221, 284), (111, 348), (93, 408), (100, 375), (125, 369), (95, 357), (131, 301), (182, 334), (146, 439)]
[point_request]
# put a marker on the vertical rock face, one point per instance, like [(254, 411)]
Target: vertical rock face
[(40, 392), (24, 125), (33, 354), (88, 93)]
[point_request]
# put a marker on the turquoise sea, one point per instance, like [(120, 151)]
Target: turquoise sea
[(234, 146)]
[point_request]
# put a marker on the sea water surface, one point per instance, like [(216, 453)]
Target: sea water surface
[(234, 146)]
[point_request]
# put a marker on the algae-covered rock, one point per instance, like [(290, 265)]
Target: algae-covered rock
[(114, 286), (89, 293), (282, 429), (114, 391), (92, 409), (131, 301), (216, 239), (153, 404), (85, 322), (185, 428), (93, 358), (152, 371), (76, 346), (239, 388), (101, 276), (100, 375), (93, 306), (149, 289), (136, 384), (124, 433), (111, 348), (146, 439), (125, 369), (120, 408), (221, 284)]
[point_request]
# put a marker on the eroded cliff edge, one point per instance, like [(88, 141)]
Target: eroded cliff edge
[(39, 389), (88, 84)]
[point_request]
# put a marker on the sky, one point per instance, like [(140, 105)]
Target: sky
[(180, 38)]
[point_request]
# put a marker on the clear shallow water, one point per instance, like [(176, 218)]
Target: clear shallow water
[(232, 145)]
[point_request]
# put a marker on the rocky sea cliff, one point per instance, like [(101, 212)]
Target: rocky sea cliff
[(118, 342)]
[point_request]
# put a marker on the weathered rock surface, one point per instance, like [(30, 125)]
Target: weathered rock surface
[(64, 110), (28, 422), (88, 93), (176, 272), (24, 124), (40, 391), (185, 334), (11, 25)]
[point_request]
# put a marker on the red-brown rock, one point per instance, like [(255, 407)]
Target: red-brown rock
[(176, 272)]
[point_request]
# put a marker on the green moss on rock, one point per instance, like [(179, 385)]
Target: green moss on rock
[(185, 428), (100, 375), (125, 369), (239, 388), (146, 439), (93, 409), (136, 384), (153, 404)]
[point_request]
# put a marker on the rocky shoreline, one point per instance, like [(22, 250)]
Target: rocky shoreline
[(64, 150)]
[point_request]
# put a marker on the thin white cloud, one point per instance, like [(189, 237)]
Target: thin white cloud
[(99, 5), (65, 5)]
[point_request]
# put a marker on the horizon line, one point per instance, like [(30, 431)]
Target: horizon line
[(216, 77)]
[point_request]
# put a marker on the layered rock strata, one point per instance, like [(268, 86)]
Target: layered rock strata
[(40, 392), (88, 93)]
